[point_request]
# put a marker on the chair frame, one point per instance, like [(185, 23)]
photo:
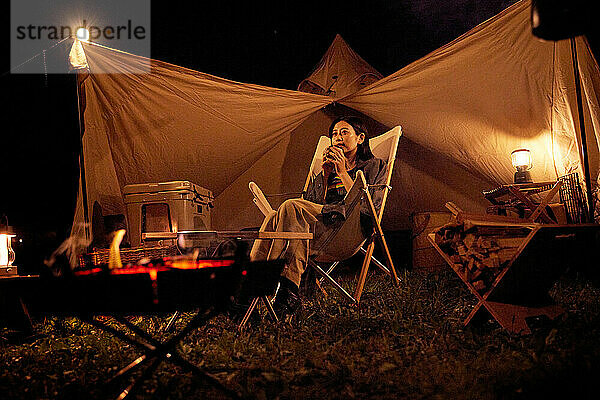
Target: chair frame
[(369, 245)]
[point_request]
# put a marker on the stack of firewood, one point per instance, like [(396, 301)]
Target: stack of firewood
[(479, 253)]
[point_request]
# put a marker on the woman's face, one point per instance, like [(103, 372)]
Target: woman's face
[(344, 136)]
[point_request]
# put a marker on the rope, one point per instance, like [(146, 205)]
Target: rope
[(45, 69), (41, 53)]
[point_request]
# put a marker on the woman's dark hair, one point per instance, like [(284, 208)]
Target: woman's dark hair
[(363, 151)]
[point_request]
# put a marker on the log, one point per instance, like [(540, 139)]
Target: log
[(480, 249)]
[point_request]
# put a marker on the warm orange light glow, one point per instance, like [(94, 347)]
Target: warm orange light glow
[(7, 255), (83, 34), (201, 264), (169, 265), (153, 274), (521, 159)]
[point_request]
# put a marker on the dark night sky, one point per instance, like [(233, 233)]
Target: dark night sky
[(273, 45)]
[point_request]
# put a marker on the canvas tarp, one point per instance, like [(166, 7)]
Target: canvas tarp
[(493, 90), (176, 124), (463, 109)]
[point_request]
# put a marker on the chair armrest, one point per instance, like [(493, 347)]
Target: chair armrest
[(260, 200), (287, 194)]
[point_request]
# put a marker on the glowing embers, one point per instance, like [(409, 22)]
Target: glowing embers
[(166, 265)]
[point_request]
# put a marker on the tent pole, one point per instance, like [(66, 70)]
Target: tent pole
[(584, 152), (86, 218)]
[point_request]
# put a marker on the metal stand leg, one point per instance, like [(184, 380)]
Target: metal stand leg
[(270, 309), (377, 262), (135, 384), (343, 291), (251, 308), (157, 352), (373, 260), (171, 321)]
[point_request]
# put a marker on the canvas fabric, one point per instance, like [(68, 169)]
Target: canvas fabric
[(463, 109), (493, 90)]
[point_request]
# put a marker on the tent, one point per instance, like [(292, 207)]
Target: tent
[(463, 109), (340, 72)]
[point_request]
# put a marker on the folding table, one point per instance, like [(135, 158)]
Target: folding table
[(520, 290), (519, 197)]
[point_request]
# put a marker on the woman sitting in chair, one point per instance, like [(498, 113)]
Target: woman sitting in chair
[(322, 210)]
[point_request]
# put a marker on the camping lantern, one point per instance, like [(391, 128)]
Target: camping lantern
[(521, 160), (7, 255)]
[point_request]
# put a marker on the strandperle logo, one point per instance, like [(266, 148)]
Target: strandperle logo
[(82, 32), (42, 32)]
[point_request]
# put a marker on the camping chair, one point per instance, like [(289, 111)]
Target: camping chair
[(329, 249)]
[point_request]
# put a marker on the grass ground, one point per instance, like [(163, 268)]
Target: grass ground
[(402, 343)]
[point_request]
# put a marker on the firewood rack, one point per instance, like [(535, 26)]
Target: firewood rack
[(520, 290)]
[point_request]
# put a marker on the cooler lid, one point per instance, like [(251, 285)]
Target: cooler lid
[(169, 195), (166, 187)]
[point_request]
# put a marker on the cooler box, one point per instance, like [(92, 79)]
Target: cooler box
[(166, 207)]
